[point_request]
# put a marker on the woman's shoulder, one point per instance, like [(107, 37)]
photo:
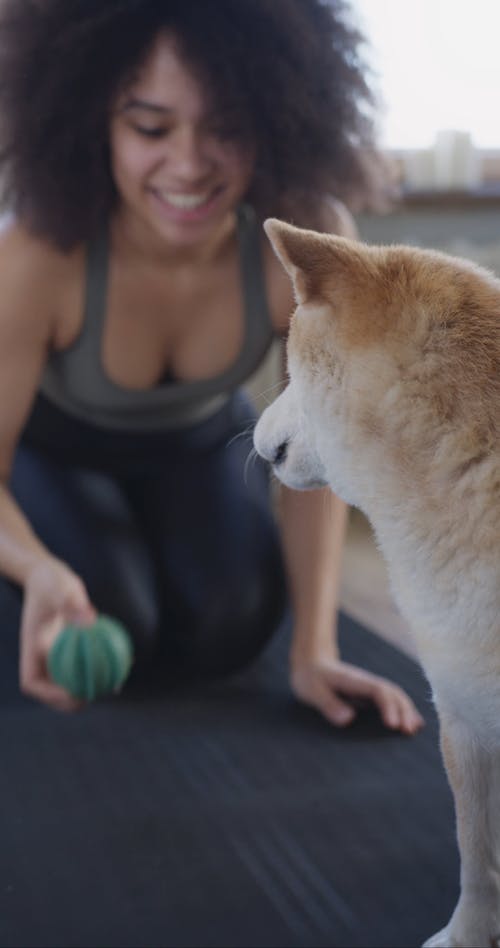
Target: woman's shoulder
[(333, 217), (35, 275), (27, 253)]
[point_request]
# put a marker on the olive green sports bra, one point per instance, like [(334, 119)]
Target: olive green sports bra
[(75, 379)]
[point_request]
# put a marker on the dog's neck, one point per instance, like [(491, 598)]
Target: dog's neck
[(436, 558)]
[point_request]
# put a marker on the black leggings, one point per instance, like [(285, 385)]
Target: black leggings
[(173, 534)]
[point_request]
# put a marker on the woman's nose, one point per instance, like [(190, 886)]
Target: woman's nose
[(188, 154)]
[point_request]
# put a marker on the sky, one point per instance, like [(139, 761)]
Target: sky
[(438, 67)]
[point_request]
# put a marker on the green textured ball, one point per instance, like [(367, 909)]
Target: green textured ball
[(91, 661)]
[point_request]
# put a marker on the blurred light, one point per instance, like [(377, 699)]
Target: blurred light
[(437, 65)]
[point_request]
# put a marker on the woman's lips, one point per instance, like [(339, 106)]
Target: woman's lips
[(187, 206)]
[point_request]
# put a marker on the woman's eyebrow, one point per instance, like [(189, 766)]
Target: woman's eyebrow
[(142, 104)]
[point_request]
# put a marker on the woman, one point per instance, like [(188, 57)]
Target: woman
[(143, 142)]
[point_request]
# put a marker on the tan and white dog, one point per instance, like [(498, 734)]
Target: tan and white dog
[(394, 401)]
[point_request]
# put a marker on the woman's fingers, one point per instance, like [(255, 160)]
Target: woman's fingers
[(396, 708), (35, 682), (34, 679), (47, 691), (334, 709)]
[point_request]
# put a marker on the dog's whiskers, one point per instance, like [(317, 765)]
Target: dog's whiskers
[(252, 457), (246, 433), (281, 384)]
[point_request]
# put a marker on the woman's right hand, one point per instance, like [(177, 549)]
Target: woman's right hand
[(53, 597)]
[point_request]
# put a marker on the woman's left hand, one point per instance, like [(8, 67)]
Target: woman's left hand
[(334, 687)]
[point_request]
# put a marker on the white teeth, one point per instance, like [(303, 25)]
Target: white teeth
[(187, 201)]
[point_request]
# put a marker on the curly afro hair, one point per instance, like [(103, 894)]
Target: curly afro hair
[(292, 69)]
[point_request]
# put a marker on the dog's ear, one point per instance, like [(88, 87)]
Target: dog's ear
[(311, 259)]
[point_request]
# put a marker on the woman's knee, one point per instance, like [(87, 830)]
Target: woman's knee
[(238, 618), (134, 604)]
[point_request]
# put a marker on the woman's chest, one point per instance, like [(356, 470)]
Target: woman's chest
[(190, 325)]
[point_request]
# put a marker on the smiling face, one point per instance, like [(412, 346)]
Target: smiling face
[(176, 163)]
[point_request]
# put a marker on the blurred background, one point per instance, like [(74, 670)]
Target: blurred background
[(437, 66), (437, 71)]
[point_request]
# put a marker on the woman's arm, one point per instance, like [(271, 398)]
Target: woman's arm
[(313, 525), (53, 594), (26, 332), (313, 530)]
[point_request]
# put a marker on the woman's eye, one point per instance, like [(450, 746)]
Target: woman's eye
[(150, 132)]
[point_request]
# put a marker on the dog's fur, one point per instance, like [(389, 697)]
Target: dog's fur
[(394, 401)]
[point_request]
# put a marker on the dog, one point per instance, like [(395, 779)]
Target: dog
[(393, 400)]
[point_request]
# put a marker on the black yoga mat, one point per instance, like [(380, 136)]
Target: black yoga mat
[(223, 815)]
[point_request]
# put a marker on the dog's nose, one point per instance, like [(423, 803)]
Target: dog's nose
[(280, 454)]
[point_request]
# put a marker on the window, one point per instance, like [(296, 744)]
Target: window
[(437, 64), (439, 68)]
